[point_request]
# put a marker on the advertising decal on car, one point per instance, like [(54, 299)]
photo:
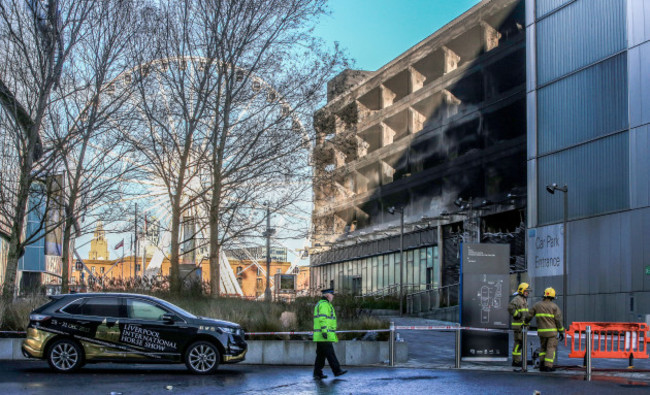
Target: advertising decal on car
[(129, 338)]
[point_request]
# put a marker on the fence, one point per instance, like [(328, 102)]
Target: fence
[(432, 299)]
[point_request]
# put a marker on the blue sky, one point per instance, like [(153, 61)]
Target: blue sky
[(374, 32)]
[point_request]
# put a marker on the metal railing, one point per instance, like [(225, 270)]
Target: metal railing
[(432, 299), (391, 290)]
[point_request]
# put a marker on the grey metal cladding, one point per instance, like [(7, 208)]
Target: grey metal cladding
[(579, 34)]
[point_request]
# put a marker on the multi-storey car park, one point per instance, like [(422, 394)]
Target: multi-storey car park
[(443, 123), (532, 117)]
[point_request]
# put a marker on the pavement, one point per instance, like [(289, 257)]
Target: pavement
[(35, 377), (436, 349)]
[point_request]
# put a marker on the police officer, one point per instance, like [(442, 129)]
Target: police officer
[(549, 328), (518, 309), (325, 335)]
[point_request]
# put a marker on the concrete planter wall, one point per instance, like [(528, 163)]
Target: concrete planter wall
[(281, 352), (10, 348), (299, 352)]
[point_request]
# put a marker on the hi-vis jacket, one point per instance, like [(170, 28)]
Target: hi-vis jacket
[(518, 309), (324, 322), (549, 318)]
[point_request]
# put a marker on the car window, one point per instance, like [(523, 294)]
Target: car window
[(104, 307), (143, 310)]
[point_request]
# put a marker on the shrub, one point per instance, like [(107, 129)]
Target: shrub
[(253, 316), (15, 316)]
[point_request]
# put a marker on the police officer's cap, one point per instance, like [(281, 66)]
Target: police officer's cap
[(327, 291)]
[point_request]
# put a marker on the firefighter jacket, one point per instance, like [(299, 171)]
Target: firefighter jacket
[(518, 309), (324, 322), (549, 318)]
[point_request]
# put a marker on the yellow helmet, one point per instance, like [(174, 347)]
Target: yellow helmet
[(549, 293), (523, 287)]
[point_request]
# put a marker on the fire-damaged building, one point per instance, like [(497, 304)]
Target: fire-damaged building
[(431, 147)]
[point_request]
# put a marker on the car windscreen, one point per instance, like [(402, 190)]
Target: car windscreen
[(176, 309)]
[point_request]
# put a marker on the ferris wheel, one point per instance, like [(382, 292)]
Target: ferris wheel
[(155, 105)]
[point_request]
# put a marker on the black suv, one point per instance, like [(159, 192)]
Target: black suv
[(73, 329)]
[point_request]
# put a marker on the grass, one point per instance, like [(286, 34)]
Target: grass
[(352, 314)]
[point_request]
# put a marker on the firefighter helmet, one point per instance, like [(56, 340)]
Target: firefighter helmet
[(549, 293), (522, 288)]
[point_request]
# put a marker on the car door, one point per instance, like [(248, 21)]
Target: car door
[(101, 314), (145, 329)]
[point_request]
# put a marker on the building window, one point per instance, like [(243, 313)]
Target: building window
[(239, 270), (101, 270), (92, 269), (279, 271)]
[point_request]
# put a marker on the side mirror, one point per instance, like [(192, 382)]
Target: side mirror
[(168, 318)]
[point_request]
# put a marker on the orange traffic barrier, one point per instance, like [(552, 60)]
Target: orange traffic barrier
[(609, 340)]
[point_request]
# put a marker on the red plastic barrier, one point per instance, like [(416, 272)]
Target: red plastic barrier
[(609, 339)]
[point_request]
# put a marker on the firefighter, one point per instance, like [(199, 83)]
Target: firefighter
[(518, 309), (325, 335), (549, 328)]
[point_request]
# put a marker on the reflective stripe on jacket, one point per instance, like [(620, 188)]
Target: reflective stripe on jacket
[(518, 309), (324, 322), (549, 318)]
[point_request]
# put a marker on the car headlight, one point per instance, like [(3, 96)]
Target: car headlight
[(226, 329)]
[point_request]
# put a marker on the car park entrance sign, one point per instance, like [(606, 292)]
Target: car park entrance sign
[(545, 249)]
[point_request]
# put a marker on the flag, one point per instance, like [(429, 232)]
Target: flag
[(120, 244)]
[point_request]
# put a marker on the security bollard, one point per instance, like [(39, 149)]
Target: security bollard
[(524, 349), (391, 344), (457, 362), (588, 354)]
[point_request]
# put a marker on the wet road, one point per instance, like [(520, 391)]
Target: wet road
[(34, 377)]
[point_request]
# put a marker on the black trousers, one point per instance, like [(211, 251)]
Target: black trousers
[(325, 350)]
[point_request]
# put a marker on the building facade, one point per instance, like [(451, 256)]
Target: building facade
[(437, 138), (589, 129)]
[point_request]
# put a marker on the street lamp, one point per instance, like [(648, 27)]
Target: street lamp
[(269, 231), (551, 189), (392, 210)]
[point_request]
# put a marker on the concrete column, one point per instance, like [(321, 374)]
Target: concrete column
[(387, 135), (339, 158), (362, 147), (387, 172), (451, 60), (451, 104), (387, 97), (362, 183), (416, 80), (491, 37), (416, 121)]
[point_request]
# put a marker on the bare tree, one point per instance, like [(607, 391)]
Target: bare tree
[(173, 86), (270, 75), (96, 161), (225, 91), (37, 39)]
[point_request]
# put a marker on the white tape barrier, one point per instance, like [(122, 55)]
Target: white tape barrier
[(410, 328), (311, 333)]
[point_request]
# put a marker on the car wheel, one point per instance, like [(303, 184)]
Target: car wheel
[(202, 357), (65, 355)]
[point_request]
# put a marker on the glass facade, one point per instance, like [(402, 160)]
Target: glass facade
[(380, 273)]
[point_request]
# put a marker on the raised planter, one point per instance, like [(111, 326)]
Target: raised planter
[(281, 352), (303, 352), (10, 348)]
